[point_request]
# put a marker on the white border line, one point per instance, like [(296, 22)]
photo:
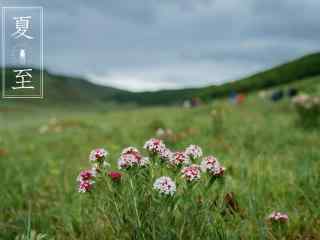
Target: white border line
[(3, 52), (41, 96), (41, 54)]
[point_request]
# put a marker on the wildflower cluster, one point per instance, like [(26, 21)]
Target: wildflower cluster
[(165, 154), (308, 109), (191, 167), (278, 217), (212, 166), (164, 185), (306, 101), (194, 151), (98, 159), (191, 173), (168, 181), (131, 157), (179, 159), (154, 145), (115, 176), (98, 155), (86, 180)]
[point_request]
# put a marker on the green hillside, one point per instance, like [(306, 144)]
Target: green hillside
[(299, 69), (63, 89), (296, 70)]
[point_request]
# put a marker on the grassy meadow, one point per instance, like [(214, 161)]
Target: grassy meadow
[(272, 164)]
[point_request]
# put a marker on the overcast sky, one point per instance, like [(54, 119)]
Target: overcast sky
[(162, 44)]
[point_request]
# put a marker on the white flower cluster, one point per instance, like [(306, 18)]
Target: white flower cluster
[(306, 101), (165, 154), (194, 151), (179, 159), (278, 217), (191, 173), (211, 165), (98, 159), (154, 145), (127, 160), (131, 150), (131, 157), (164, 185), (98, 155)]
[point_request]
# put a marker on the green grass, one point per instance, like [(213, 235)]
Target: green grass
[(272, 164)]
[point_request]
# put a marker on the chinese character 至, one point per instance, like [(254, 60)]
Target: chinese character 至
[(22, 27), (24, 76)]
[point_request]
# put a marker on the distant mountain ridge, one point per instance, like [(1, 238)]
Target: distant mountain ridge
[(66, 89), (63, 89), (298, 69)]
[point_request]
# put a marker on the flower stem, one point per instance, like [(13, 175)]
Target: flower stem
[(135, 203)]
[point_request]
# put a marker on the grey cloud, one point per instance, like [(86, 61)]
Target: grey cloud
[(151, 44)]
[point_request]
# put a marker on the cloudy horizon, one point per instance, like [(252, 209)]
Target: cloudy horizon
[(152, 45)]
